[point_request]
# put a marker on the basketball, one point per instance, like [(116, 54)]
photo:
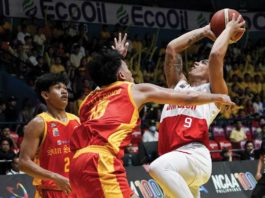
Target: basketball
[(219, 21)]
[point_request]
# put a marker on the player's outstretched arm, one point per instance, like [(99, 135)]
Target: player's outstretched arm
[(33, 134), (144, 93), (217, 54)]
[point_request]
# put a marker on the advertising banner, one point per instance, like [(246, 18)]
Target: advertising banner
[(83, 11), (229, 180), (12, 186)]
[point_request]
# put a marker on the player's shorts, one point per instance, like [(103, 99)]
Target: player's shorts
[(96, 172), (44, 193)]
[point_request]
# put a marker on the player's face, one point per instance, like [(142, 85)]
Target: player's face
[(249, 147), (125, 72), (57, 96), (200, 70)]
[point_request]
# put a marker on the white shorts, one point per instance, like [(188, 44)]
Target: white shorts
[(181, 172)]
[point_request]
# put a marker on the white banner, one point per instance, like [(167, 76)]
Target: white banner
[(109, 13)]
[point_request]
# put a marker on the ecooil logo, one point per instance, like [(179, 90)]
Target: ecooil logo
[(20, 188), (122, 15), (29, 8)]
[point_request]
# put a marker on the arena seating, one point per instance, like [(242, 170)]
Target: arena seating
[(215, 150)]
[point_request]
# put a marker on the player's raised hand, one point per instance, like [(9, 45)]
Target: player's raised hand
[(236, 24), (121, 44), (209, 33), (62, 183)]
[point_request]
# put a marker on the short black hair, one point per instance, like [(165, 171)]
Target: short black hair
[(104, 66), (45, 81)]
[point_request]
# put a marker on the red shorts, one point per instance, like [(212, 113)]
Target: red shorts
[(98, 174), (52, 194)]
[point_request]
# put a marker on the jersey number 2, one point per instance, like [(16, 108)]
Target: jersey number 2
[(66, 164), (188, 122)]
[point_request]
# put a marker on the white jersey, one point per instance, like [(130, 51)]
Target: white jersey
[(180, 125)]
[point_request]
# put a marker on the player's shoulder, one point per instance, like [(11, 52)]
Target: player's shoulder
[(182, 84), (37, 124), (37, 120), (71, 116)]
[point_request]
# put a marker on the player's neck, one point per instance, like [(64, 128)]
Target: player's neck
[(197, 81), (57, 114)]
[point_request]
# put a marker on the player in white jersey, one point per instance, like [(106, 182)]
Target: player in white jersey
[(185, 163)]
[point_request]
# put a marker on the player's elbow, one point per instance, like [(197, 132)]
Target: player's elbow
[(22, 164), (170, 49), (216, 55)]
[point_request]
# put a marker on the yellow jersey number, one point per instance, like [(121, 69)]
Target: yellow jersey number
[(66, 164), (99, 110)]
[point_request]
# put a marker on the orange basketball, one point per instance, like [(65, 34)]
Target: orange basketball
[(219, 21)]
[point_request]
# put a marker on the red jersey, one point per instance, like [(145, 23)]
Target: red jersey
[(54, 153), (181, 125), (108, 117)]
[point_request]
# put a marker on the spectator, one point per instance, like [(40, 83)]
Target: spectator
[(39, 39), (257, 105), (150, 135), (105, 34), (27, 111), (2, 111), (14, 167), (57, 66), (226, 154), (6, 155), (260, 134), (130, 156), (7, 133), (12, 111), (49, 56), (238, 134), (22, 33), (249, 152), (76, 55)]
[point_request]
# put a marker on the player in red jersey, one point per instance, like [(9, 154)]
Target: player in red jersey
[(185, 163), (108, 116), (45, 152)]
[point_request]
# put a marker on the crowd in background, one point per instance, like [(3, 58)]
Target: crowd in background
[(29, 50)]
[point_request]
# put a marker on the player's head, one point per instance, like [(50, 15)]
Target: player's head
[(14, 164), (107, 67), (200, 70), (249, 146), (51, 89)]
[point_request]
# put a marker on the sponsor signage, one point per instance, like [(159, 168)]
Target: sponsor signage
[(12, 186), (108, 13), (229, 180), (232, 179)]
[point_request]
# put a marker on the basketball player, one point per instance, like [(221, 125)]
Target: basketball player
[(45, 151), (108, 117), (185, 163)]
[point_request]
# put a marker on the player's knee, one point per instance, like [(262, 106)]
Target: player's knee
[(154, 169)]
